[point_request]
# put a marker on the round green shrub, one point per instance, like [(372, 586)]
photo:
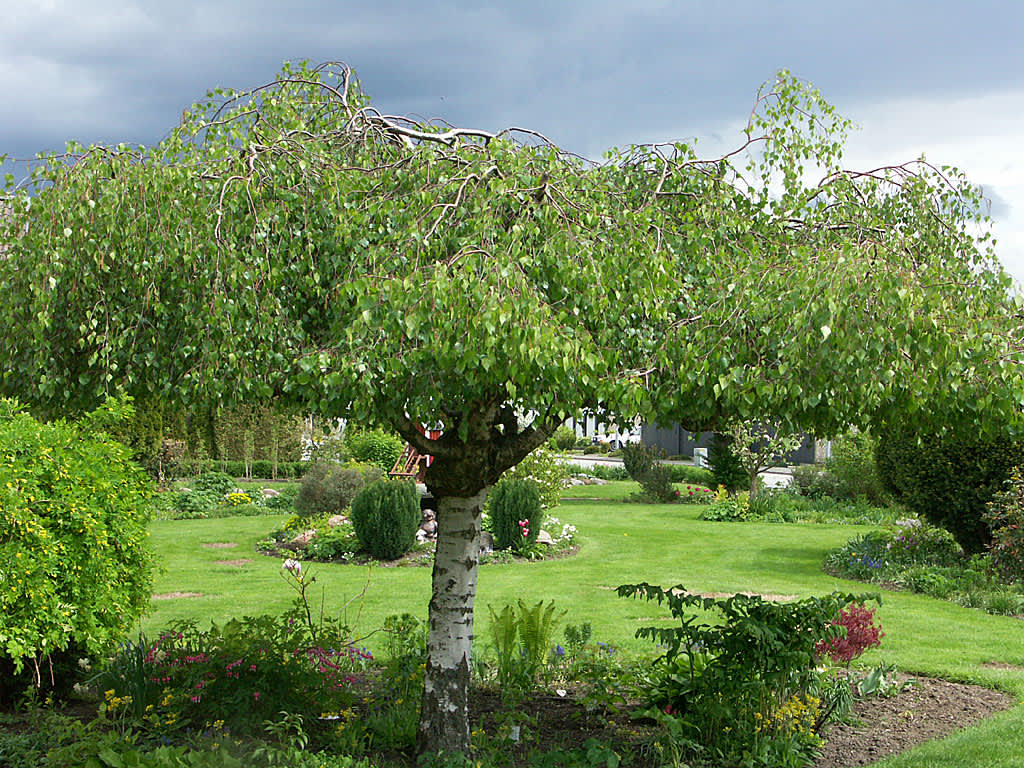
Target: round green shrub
[(75, 511), (216, 483), (375, 446), (948, 479), (385, 516), (513, 502), (328, 489)]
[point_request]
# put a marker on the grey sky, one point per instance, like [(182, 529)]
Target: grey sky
[(922, 76)]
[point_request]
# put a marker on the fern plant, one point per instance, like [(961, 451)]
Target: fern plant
[(522, 641), (536, 631)]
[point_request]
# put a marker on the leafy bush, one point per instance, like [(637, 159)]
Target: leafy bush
[(234, 676), (656, 485), (337, 543), (695, 494), (74, 510), (852, 465), (610, 472), (543, 467), (639, 459), (861, 634), (564, 438), (190, 505), (513, 503), (726, 508), (726, 469), (1004, 516), (687, 473), (374, 446), (216, 483), (327, 489), (948, 480), (643, 464), (739, 689), (862, 558), (385, 516), (913, 543), (814, 481)]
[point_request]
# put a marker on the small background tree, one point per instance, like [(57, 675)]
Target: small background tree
[(758, 447)]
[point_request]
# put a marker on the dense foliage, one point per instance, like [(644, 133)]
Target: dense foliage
[(291, 241), (947, 479), (543, 468), (742, 689), (1004, 516), (328, 488), (726, 469), (374, 446), (385, 516), (516, 514), (74, 511)]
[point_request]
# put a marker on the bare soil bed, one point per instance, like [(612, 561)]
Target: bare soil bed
[(881, 725)]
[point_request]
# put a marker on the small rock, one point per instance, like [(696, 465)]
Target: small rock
[(270, 493), (545, 538), (302, 539), (337, 520)]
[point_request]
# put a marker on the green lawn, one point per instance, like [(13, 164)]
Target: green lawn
[(623, 543)]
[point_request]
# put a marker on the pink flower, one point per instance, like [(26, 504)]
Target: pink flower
[(256, 695)]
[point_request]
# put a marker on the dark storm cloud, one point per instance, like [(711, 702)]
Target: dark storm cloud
[(587, 74)]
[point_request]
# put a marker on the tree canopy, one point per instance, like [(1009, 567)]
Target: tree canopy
[(292, 241)]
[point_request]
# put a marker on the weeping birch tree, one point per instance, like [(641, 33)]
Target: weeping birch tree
[(291, 241)]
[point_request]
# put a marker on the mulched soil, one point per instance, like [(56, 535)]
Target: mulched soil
[(881, 725), (928, 710)]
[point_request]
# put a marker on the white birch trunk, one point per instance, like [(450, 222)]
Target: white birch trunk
[(444, 713)]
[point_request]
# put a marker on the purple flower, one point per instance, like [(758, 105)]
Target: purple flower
[(559, 651)]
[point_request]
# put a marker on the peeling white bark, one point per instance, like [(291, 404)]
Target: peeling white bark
[(444, 714)]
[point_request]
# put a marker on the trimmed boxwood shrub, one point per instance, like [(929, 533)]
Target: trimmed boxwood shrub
[(75, 511), (385, 516), (327, 489), (949, 479), (512, 502)]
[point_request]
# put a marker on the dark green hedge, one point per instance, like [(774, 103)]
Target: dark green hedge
[(947, 479)]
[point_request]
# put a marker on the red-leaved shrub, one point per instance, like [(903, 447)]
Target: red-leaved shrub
[(861, 634)]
